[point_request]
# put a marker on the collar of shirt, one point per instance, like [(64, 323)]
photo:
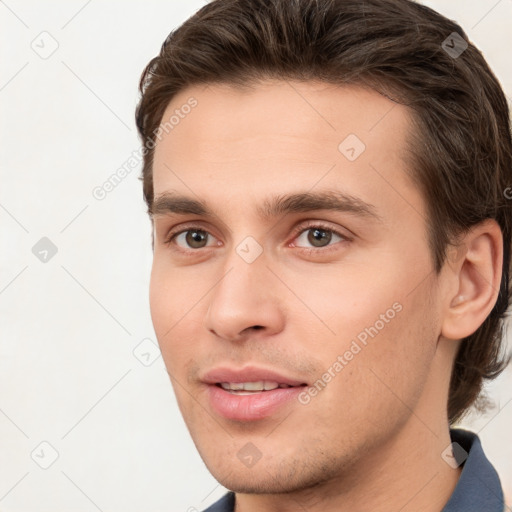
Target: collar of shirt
[(479, 486), (478, 489)]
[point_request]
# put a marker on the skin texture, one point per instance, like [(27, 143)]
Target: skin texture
[(372, 438)]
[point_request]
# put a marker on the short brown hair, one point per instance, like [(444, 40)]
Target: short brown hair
[(461, 144)]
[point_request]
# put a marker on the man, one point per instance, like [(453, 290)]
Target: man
[(327, 184)]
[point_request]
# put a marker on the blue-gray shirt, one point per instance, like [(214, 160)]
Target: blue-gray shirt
[(478, 489)]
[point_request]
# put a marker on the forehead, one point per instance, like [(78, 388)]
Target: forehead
[(280, 137)]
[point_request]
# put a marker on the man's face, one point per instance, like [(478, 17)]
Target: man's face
[(341, 305)]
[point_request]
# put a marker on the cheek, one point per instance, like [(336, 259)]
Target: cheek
[(378, 299), (161, 302), (383, 325), (390, 373), (343, 303), (171, 302), (176, 330)]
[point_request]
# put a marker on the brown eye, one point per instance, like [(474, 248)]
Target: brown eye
[(189, 239), (195, 238), (319, 237)]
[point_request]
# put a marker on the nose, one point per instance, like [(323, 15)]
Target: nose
[(246, 302)]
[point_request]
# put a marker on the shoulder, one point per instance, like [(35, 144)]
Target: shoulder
[(225, 504)]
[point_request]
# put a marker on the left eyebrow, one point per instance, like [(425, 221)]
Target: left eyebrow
[(310, 201), (174, 203)]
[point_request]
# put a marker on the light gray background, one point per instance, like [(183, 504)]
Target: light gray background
[(69, 326)]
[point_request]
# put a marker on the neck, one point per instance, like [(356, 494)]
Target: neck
[(408, 474)]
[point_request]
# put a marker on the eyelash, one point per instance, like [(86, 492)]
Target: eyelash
[(296, 232)]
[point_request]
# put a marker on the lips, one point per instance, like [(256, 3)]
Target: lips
[(251, 393), (251, 387), (249, 374)]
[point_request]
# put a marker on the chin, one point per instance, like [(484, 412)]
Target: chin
[(270, 476), (261, 478), (256, 484)]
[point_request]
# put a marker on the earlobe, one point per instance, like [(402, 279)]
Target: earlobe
[(478, 275)]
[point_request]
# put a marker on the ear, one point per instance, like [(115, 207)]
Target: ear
[(475, 269)]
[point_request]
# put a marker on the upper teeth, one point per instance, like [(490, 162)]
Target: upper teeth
[(252, 386)]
